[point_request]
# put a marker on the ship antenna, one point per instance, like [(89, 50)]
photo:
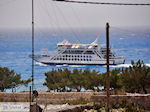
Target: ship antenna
[(32, 47)]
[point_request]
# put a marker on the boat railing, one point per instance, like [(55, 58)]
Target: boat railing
[(96, 52), (118, 57), (56, 54)]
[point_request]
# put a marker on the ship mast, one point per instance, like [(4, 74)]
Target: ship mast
[(32, 47)]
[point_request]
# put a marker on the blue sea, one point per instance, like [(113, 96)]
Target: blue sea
[(15, 48)]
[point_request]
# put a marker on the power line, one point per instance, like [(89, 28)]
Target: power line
[(66, 22), (53, 22), (105, 3)]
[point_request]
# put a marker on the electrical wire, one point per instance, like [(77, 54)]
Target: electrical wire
[(44, 6), (79, 31), (66, 22), (104, 3), (57, 19)]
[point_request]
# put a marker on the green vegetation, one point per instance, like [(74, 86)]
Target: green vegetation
[(9, 79), (66, 80), (136, 78)]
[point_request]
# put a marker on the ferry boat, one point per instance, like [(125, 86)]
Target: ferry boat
[(79, 54)]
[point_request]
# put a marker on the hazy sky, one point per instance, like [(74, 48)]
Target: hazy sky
[(17, 14)]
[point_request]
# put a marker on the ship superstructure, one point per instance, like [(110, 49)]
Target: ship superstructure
[(79, 54)]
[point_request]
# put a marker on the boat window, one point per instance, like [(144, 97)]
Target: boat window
[(73, 52), (89, 52)]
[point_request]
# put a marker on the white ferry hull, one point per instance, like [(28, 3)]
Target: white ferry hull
[(48, 61)]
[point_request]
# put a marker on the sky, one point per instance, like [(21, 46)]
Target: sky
[(16, 14)]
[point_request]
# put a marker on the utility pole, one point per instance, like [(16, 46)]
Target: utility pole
[(32, 47), (30, 97), (107, 61)]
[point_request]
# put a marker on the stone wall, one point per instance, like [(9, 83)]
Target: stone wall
[(62, 97), (46, 97), (14, 97)]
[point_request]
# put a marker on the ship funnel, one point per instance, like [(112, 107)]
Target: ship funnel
[(95, 42)]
